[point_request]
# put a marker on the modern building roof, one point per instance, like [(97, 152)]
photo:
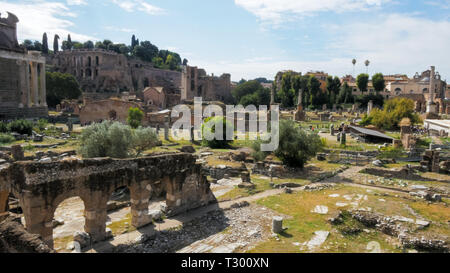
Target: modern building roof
[(370, 132)]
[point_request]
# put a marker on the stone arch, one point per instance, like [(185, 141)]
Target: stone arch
[(71, 214), (97, 60), (425, 90), (89, 61)]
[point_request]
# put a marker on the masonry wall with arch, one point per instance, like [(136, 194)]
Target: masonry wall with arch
[(41, 187)]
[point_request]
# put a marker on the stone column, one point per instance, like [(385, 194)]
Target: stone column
[(43, 86), (95, 217), (140, 195), (28, 84), (369, 107), (432, 87), (34, 82), (38, 217), (3, 202), (173, 193)]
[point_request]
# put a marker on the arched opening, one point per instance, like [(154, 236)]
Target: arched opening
[(425, 90), (398, 90), (146, 83), (97, 60), (89, 61), (112, 115), (119, 218), (68, 218), (88, 73)]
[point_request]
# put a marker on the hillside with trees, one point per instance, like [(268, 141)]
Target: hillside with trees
[(144, 50)]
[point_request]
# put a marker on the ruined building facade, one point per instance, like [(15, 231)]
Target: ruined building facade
[(196, 83), (102, 74), (22, 76)]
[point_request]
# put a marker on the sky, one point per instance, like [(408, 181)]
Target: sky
[(258, 38)]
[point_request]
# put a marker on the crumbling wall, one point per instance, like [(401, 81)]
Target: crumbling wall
[(15, 239), (41, 187)]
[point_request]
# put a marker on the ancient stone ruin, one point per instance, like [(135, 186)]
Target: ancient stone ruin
[(22, 76), (41, 187)]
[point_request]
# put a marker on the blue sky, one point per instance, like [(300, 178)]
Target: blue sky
[(253, 38)]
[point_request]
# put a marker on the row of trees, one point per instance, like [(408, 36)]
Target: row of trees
[(144, 50), (336, 92), (378, 82), (312, 95)]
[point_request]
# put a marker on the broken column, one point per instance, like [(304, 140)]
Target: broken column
[(369, 107), (343, 138), (166, 128), (140, 196), (246, 181), (430, 161), (17, 152), (277, 224)]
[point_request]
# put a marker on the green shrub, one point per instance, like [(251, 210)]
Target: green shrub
[(393, 112), (20, 126), (3, 127), (42, 124), (296, 146), (6, 139), (135, 116), (144, 139), (209, 128), (257, 154), (116, 140)]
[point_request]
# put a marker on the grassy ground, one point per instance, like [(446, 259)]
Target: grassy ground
[(261, 185), (122, 226), (303, 223), (60, 244), (313, 169)]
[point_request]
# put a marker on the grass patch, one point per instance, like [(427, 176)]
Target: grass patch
[(123, 226), (302, 224), (261, 186), (60, 244)]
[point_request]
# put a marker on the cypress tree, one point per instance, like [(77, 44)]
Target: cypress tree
[(56, 44), (44, 44)]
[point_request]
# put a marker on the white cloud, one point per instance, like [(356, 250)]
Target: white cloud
[(37, 17), (76, 2), (393, 43), (277, 11), (399, 43), (443, 4), (138, 5), (121, 29)]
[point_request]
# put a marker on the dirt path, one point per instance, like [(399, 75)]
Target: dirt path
[(345, 177), (175, 222)]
